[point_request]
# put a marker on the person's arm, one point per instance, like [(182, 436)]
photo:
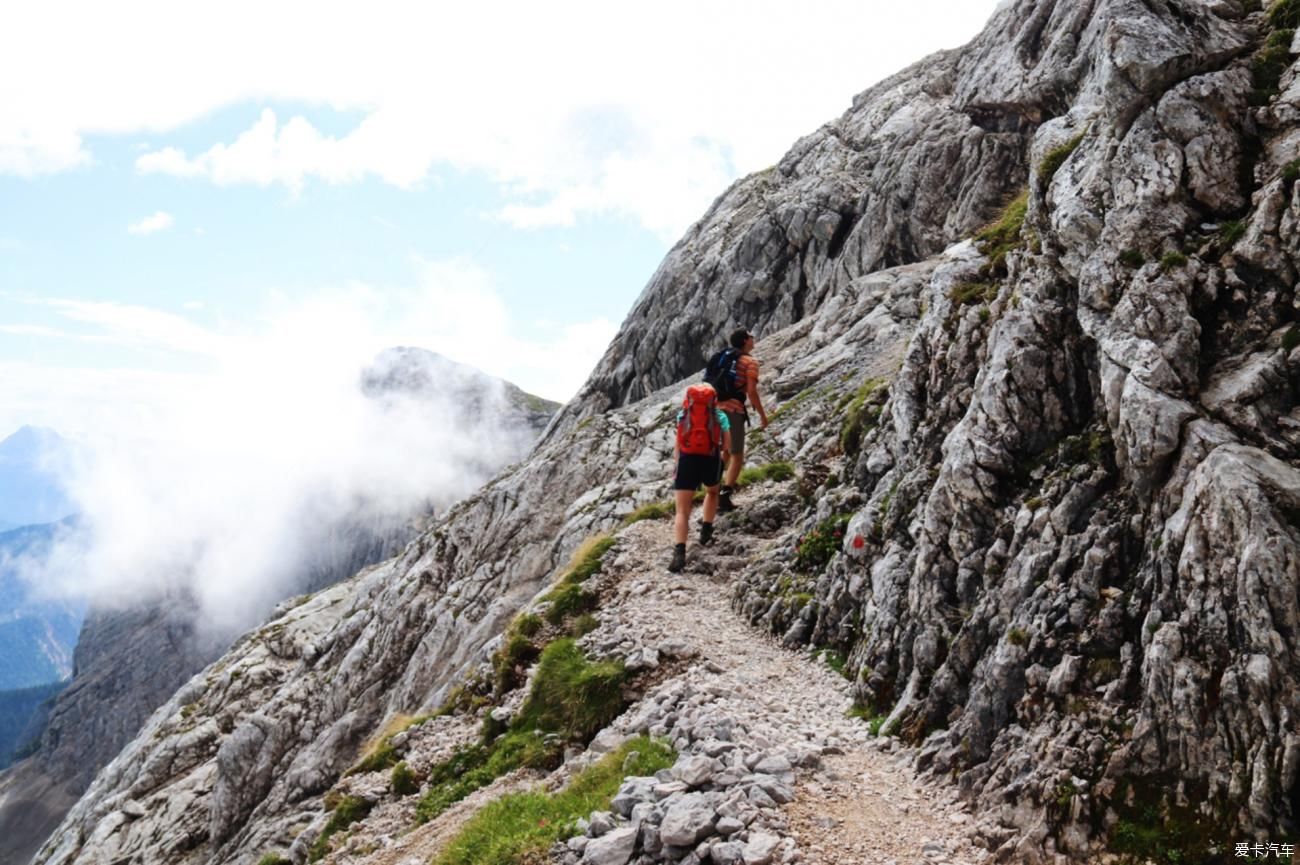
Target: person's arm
[(725, 423), (751, 391)]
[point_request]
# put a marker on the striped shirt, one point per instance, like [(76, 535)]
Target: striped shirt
[(746, 374)]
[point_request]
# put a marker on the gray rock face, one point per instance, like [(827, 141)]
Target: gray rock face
[(613, 848), (1078, 499), (920, 160), (1072, 545), (688, 820)]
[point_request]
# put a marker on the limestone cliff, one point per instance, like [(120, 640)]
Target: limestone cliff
[(1064, 459)]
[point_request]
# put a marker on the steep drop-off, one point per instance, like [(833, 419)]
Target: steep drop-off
[(132, 656)]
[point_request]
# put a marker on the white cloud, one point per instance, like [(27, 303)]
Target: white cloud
[(160, 221), (354, 321), (168, 160), (28, 152), (138, 326), (217, 482), (593, 109)]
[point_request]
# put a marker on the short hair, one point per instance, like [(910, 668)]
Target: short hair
[(738, 337)]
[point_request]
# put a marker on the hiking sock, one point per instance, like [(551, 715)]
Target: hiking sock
[(706, 534), (679, 559)]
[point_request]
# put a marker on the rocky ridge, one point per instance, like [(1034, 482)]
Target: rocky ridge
[(130, 659), (1069, 548), (754, 726)]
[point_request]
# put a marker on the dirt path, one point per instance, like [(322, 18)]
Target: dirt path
[(857, 800), (864, 805)]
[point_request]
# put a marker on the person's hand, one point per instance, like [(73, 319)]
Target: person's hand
[(763, 424)]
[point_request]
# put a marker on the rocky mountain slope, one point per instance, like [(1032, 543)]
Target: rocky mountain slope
[(130, 659), (1049, 479)]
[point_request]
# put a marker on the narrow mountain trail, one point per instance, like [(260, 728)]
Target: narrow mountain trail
[(708, 675)]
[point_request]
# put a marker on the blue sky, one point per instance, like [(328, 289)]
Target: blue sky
[(226, 249), (498, 183)]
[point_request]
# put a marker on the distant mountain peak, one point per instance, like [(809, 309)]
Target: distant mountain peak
[(31, 487)]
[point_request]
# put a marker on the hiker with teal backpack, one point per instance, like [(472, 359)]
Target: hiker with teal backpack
[(733, 372), (702, 440)]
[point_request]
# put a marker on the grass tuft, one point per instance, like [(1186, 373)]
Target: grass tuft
[(587, 558), (1055, 158), (1004, 235), (1017, 636), (516, 653), (973, 292), (568, 598), (1291, 338), (1272, 60), (568, 601), (835, 660), (874, 719), (775, 472), (349, 810), (1230, 232), (818, 545), (571, 698), (1170, 260), (1132, 258), (858, 418), (571, 695), (378, 753), (651, 511), (583, 625), (522, 827), (403, 780), (464, 698), (475, 766), (1284, 14)]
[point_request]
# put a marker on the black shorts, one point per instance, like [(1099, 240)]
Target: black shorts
[(696, 469)]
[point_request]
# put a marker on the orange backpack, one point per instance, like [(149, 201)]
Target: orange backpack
[(698, 430)]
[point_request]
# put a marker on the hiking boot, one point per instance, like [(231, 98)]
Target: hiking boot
[(678, 563), (725, 503), (706, 534)]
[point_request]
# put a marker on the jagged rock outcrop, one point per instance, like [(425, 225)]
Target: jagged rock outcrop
[(920, 160), (504, 414), (1074, 576), (1069, 536)]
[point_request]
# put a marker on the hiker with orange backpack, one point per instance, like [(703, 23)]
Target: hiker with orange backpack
[(733, 372), (702, 437)]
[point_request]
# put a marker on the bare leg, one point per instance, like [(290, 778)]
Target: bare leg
[(710, 503), (734, 465), (684, 503)]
